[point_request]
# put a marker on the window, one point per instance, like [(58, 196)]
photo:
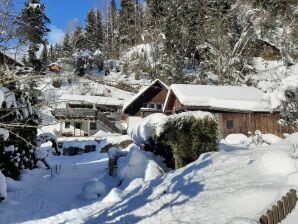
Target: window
[(93, 126), (67, 124), (230, 124), (78, 125), (159, 106), (145, 105), (152, 105)]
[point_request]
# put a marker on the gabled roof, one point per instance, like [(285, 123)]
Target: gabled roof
[(9, 56), (220, 97), (142, 91)]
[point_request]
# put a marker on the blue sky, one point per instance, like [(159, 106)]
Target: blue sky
[(62, 11)]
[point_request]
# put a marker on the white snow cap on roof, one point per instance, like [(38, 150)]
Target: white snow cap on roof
[(101, 100), (221, 97), (142, 91)]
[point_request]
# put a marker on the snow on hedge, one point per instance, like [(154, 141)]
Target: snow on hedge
[(138, 164), (152, 125), (3, 186)]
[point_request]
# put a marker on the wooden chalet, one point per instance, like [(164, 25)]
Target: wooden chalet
[(7, 60), (150, 99), (238, 109)]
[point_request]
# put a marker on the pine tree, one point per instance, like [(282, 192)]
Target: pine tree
[(66, 46), (127, 23), (113, 31), (33, 27), (99, 36), (79, 41), (44, 56)]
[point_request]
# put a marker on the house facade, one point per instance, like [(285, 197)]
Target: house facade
[(150, 99), (238, 109), (82, 115)]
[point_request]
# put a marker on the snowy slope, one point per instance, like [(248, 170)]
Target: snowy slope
[(216, 188)]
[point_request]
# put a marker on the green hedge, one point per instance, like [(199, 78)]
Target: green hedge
[(183, 140)]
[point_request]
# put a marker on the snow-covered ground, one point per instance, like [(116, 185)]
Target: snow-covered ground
[(233, 185)]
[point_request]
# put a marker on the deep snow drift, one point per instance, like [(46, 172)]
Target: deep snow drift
[(229, 186)]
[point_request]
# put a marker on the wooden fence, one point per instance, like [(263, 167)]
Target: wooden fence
[(281, 209)]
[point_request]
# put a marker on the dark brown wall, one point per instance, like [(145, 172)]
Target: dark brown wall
[(245, 122), (155, 94), (173, 104)]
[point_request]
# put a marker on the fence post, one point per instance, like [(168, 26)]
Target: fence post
[(286, 205), (281, 213), (275, 214), (270, 217), (290, 201), (264, 219)]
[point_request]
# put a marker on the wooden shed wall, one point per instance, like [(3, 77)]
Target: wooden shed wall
[(245, 122)]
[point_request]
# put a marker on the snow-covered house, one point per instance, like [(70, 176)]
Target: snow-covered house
[(83, 115), (150, 99), (8, 60), (238, 109)]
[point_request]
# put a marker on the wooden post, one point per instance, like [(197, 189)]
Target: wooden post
[(286, 205), (275, 214), (269, 214), (264, 219), (281, 213), (294, 192), (290, 201)]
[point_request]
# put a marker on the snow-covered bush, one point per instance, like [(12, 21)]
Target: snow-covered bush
[(17, 149), (289, 108), (179, 138), (286, 164), (236, 139), (3, 187), (138, 164), (93, 189), (184, 139)]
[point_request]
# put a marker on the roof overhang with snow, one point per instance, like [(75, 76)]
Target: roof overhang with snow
[(220, 98), (96, 100)]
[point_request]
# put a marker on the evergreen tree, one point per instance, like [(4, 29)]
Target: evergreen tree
[(33, 27), (127, 23), (113, 31), (66, 46), (99, 33), (79, 41), (44, 56)]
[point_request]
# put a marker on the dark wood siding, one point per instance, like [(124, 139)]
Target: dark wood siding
[(155, 94), (249, 122), (173, 104)]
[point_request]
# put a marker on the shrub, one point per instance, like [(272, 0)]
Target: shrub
[(183, 140), (57, 83)]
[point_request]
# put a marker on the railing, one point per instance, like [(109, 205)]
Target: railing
[(282, 208)]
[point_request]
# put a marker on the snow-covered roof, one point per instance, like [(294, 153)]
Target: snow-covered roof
[(100, 100), (142, 91), (220, 97)]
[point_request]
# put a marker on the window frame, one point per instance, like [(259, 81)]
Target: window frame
[(93, 127), (67, 124)]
